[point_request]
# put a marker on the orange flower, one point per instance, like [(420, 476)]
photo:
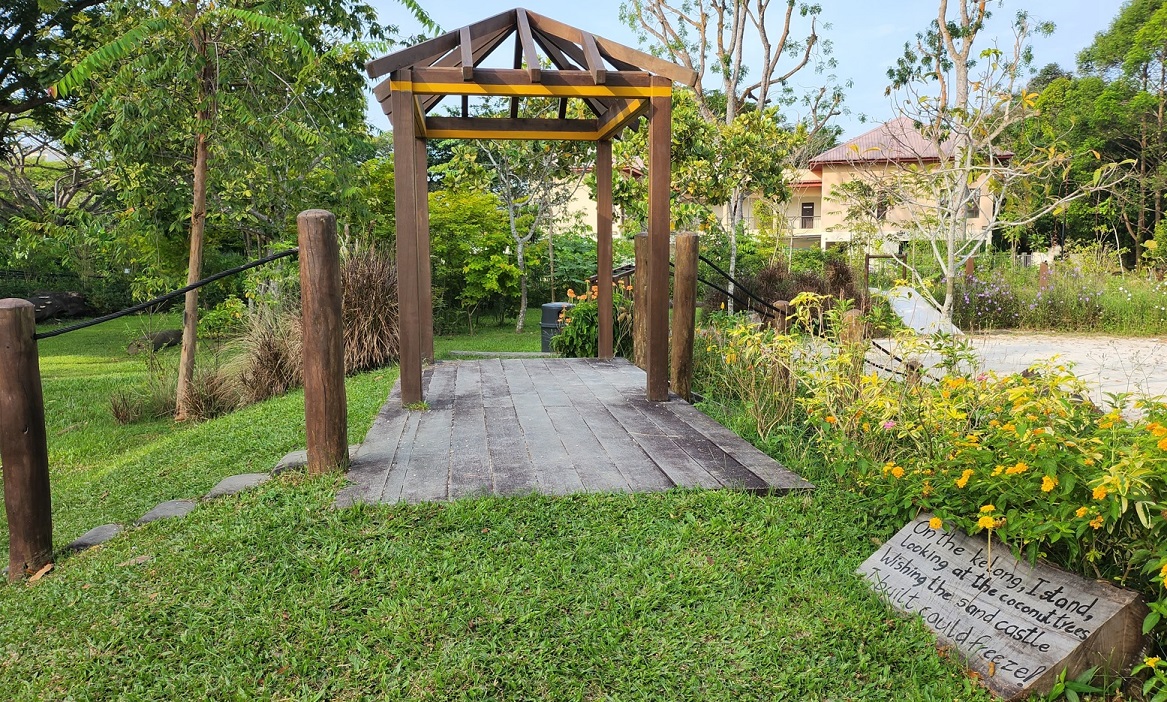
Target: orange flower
[(897, 472), (1082, 512), (831, 419), (570, 293), (1163, 444), (1097, 522)]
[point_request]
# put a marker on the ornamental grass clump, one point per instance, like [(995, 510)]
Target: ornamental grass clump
[(1023, 457)]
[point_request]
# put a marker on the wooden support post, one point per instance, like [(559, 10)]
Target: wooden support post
[(23, 445), (640, 303), (409, 304), (425, 300), (684, 313), (604, 246), (1043, 276), (970, 267), (325, 406), (660, 142)]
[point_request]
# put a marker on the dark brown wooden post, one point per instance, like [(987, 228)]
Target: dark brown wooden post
[(660, 141), (1043, 276), (970, 267), (425, 302), (640, 312), (405, 172), (325, 406), (684, 312), (23, 446), (604, 245)]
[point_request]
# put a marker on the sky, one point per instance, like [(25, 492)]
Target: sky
[(866, 36)]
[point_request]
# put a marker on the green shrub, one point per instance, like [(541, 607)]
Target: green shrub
[(579, 337), (1020, 456)]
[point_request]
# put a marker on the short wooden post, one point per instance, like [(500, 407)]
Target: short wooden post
[(23, 445), (780, 320), (660, 143), (1043, 276), (684, 313), (604, 247), (325, 406), (970, 267), (640, 303)]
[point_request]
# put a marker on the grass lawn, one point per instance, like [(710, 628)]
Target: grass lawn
[(274, 595)]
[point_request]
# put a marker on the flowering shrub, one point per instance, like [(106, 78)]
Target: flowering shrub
[(1021, 456), (579, 337)]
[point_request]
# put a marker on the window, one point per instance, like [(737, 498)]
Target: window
[(972, 209)]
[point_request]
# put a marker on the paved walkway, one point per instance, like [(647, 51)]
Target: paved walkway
[(917, 313), (1107, 364), (556, 426)]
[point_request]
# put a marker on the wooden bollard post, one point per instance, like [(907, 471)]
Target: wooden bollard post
[(325, 407), (23, 445), (640, 298), (970, 268), (684, 313), (1043, 276), (780, 320)]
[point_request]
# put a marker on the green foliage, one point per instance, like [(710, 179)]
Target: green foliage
[(579, 336), (225, 319), (1021, 456)]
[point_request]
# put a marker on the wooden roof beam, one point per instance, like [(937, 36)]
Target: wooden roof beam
[(466, 50), (528, 44), (507, 82), (526, 128), (617, 119), (429, 51), (591, 52), (628, 55), (451, 60), (561, 62)]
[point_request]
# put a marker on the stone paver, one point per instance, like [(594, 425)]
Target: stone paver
[(95, 536), (237, 483), (298, 459), (168, 510)]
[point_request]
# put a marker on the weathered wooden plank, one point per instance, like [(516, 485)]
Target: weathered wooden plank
[(495, 392), (596, 470), (554, 469), (778, 477), (528, 45), (395, 472), (545, 377), (440, 391), (470, 472), (639, 471), (427, 477), (661, 447), (514, 473)]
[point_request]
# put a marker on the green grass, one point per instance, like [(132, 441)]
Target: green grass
[(489, 337), (274, 595)]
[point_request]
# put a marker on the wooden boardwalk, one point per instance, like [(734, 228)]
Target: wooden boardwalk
[(555, 426)]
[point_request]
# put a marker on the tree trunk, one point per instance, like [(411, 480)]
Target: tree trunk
[(521, 259), (198, 222), (734, 218)]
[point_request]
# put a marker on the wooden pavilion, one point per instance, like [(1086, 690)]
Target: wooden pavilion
[(618, 85)]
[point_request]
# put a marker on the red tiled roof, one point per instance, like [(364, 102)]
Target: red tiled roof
[(896, 140)]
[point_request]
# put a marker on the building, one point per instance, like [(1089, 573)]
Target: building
[(816, 214)]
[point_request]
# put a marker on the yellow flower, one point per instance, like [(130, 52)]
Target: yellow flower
[(730, 357), (1082, 511), (1163, 574), (998, 470), (831, 419), (987, 508), (1163, 444), (964, 477), (927, 489), (897, 471), (1096, 522), (1152, 662), (1009, 427), (987, 522), (1048, 483), (935, 522), (1100, 492), (1017, 469)]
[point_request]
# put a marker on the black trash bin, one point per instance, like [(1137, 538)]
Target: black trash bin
[(551, 324)]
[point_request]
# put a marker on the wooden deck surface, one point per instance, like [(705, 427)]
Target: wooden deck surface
[(555, 426)]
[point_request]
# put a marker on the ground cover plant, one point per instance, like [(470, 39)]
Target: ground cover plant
[(1086, 292), (273, 594), (1022, 456)]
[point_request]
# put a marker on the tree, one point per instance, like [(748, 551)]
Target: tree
[(712, 37), (534, 180), (198, 70), (963, 172), (36, 39)]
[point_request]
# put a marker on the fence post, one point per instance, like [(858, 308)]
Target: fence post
[(23, 445), (325, 408), (1043, 276), (684, 313), (640, 303)]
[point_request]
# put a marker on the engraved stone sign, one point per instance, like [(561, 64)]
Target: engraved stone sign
[(1016, 625)]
